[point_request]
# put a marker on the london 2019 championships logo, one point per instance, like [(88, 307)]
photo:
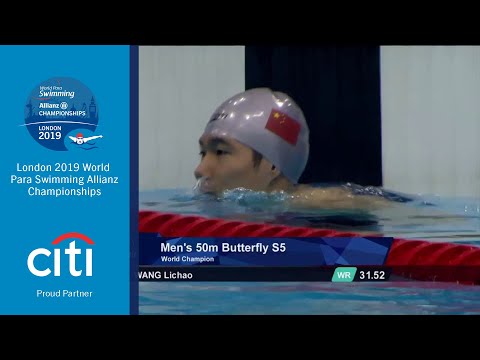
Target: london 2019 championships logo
[(61, 114)]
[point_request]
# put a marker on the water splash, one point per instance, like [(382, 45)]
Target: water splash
[(248, 197), (196, 188)]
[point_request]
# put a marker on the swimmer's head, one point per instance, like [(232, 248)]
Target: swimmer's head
[(268, 122)]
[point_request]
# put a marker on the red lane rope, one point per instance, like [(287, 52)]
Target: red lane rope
[(414, 259)]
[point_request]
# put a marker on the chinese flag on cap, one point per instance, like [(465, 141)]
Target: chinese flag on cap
[(284, 126)]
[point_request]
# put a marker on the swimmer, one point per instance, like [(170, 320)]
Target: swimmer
[(259, 140)]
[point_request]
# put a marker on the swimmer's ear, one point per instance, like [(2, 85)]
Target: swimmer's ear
[(275, 171)]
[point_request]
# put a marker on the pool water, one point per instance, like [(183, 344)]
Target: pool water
[(431, 218)]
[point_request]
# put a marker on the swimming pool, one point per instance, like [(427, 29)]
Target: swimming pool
[(432, 218)]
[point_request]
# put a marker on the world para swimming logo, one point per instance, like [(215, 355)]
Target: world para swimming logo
[(61, 114)]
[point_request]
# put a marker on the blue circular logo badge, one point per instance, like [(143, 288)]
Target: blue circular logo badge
[(61, 114)]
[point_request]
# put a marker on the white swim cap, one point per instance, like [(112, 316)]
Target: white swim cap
[(269, 122)]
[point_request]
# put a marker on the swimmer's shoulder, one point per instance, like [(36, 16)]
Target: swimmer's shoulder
[(336, 197)]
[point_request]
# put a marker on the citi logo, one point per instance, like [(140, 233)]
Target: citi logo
[(70, 256)]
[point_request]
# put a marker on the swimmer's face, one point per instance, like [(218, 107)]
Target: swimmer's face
[(228, 164)]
